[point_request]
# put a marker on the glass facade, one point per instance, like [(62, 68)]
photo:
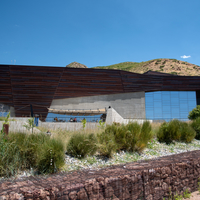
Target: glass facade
[(66, 118), (168, 105)]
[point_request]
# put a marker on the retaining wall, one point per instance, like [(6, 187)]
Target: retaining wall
[(69, 126), (147, 180), (17, 124)]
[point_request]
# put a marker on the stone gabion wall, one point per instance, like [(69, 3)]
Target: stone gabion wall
[(148, 180)]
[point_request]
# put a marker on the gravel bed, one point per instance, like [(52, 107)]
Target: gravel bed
[(153, 150)]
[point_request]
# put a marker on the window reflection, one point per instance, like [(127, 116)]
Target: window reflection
[(168, 105)]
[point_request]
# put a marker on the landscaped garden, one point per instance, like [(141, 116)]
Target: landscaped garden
[(28, 154)]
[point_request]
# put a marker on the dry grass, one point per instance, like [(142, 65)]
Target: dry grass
[(65, 135), (155, 127)]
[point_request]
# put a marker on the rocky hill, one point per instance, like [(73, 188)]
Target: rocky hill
[(76, 65), (164, 65)]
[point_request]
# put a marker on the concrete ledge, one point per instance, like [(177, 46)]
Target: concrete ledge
[(147, 180)]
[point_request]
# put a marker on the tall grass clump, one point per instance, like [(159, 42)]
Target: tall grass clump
[(22, 151), (10, 160), (106, 142), (175, 130), (51, 156), (130, 137), (187, 132), (196, 126), (137, 136), (82, 144)]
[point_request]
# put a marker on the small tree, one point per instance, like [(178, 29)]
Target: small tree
[(84, 121), (30, 124), (195, 113), (101, 124)]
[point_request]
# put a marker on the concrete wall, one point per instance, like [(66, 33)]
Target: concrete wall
[(69, 126), (114, 116), (128, 105), (17, 125)]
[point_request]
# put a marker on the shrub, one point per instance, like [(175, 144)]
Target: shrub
[(51, 156), (10, 160), (169, 131), (81, 145), (187, 132), (175, 130), (162, 66), (106, 143), (139, 136), (196, 126), (195, 113), (130, 137), (146, 134), (22, 151), (117, 133)]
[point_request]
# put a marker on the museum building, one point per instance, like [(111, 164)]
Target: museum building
[(127, 96)]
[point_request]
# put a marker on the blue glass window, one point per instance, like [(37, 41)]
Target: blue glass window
[(66, 118), (168, 105)]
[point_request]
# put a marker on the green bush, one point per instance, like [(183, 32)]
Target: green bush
[(27, 145), (138, 136), (196, 126), (10, 160), (131, 134), (106, 142), (162, 66), (195, 113), (187, 132), (25, 151), (146, 134), (130, 137), (81, 145), (51, 156), (175, 130), (116, 134)]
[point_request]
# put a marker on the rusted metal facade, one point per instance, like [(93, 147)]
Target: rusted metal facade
[(21, 86)]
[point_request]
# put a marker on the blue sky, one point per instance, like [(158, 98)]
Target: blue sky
[(98, 33)]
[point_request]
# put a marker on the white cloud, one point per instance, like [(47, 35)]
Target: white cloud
[(185, 56)]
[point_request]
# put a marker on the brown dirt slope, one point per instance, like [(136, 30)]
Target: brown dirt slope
[(164, 65)]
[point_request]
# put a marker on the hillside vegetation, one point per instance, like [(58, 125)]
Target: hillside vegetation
[(164, 65)]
